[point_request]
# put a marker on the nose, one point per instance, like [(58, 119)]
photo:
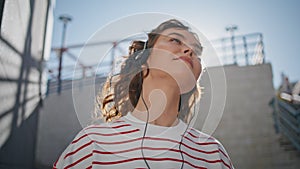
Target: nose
[(188, 51)]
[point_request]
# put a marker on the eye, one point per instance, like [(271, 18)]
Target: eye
[(175, 40)]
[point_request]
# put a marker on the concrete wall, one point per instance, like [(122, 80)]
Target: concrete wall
[(245, 127), (23, 46)]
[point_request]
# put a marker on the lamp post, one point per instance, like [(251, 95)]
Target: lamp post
[(65, 19), (231, 29)]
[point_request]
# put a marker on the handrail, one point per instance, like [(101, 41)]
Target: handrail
[(287, 119)]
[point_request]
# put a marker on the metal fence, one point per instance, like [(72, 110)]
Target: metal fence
[(287, 120), (241, 50)]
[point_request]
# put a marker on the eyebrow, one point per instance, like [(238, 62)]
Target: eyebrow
[(178, 34), (198, 47)]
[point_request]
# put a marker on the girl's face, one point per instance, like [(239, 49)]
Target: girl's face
[(177, 52)]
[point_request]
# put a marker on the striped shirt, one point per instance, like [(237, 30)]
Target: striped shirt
[(122, 144)]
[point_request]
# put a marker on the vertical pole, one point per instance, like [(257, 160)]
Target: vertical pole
[(233, 48), (65, 19), (262, 48), (231, 29), (246, 50), (224, 51), (60, 57)]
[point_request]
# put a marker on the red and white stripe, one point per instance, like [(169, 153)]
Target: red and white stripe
[(118, 145)]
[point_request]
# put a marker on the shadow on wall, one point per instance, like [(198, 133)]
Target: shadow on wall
[(20, 94)]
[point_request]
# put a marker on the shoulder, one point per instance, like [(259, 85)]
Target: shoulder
[(201, 140), (79, 152), (93, 132), (209, 147), (198, 136)]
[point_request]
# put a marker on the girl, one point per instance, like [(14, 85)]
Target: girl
[(149, 105)]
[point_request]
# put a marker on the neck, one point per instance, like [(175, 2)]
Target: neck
[(160, 98)]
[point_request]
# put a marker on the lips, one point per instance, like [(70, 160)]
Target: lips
[(187, 60)]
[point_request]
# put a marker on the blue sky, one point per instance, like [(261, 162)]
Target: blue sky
[(277, 20)]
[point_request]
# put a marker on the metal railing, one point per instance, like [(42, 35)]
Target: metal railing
[(287, 119), (248, 50), (242, 50)]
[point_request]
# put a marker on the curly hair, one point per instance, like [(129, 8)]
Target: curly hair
[(121, 93)]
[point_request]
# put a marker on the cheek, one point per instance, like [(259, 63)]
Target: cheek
[(159, 58)]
